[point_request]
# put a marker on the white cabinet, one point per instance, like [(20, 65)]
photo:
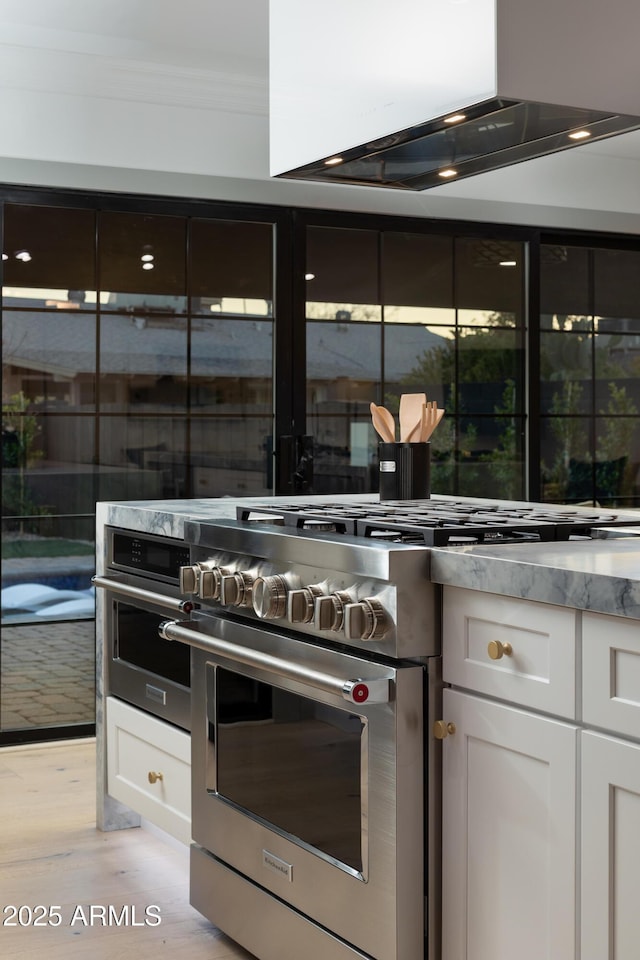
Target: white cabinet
[(610, 869), (611, 673), (509, 882), (511, 649), (149, 767), (541, 815)]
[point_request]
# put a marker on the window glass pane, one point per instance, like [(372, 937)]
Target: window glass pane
[(489, 362), (428, 316), (565, 372), (143, 363), (49, 360), (47, 561), (417, 270), (489, 275), (564, 282), (231, 366), (231, 267), (48, 674), (345, 448), (419, 359), (50, 255), (142, 263), (566, 459), (617, 469), (142, 458), (344, 313), (48, 464), (616, 280), (343, 367), (567, 322), (486, 318), (490, 459), (342, 267), (232, 456)]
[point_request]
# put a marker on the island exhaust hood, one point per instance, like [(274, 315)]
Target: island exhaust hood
[(414, 93)]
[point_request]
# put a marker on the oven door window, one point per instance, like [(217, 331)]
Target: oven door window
[(138, 643), (292, 762)]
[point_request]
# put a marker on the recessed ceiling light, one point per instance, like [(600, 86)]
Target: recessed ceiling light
[(508, 263), (5, 256), (449, 172), (146, 257), (455, 118), (579, 134), (332, 161), (309, 276), (23, 255), (147, 266)]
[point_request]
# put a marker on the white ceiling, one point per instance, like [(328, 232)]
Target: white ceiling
[(212, 55)]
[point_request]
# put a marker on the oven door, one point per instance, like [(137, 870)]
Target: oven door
[(307, 778), (143, 668)]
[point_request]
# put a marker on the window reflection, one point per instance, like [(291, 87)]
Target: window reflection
[(50, 360), (143, 363), (50, 255), (231, 455), (231, 267), (231, 366), (142, 263)]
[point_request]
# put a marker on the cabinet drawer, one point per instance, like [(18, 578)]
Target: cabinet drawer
[(611, 673), (535, 644), (139, 745)]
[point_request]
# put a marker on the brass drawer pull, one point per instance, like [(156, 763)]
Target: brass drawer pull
[(442, 729), (153, 777), (496, 649)]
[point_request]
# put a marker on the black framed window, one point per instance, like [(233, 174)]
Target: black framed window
[(590, 367)]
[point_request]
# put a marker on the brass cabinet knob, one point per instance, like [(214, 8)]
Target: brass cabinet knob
[(153, 777), (442, 729), (496, 649)]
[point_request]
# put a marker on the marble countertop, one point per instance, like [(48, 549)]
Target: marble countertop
[(597, 575)]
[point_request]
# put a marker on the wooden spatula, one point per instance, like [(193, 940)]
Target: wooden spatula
[(410, 413)]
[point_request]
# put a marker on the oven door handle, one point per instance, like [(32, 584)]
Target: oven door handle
[(148, 596), (354, 691)]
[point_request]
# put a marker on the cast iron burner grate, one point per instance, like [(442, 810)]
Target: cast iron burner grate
[(435, 523)]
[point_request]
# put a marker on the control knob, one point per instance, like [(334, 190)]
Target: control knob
[(329, 610), (236, 589), (210, 582), (190, 576), (365, 620), (269, 597), (300, 604)]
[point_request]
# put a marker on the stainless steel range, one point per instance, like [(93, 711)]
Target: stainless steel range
[(316, 687)]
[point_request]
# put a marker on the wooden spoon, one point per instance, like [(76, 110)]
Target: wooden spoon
[(390, 423), (380, 419), (410, 413)]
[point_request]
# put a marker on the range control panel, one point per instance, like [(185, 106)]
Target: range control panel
[(342, 589)]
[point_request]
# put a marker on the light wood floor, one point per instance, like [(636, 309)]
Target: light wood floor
[(51, 855)]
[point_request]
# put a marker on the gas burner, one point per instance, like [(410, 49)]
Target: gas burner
[(437, 523)]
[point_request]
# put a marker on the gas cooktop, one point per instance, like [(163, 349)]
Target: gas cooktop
[(436, 523)]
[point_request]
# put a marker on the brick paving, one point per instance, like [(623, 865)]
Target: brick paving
[(48, 674)]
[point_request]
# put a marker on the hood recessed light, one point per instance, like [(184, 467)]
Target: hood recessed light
[(579, 135), (449, 172), (455, 118), (332, 161)]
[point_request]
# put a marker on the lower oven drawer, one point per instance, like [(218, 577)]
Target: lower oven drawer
[(149, 767)]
